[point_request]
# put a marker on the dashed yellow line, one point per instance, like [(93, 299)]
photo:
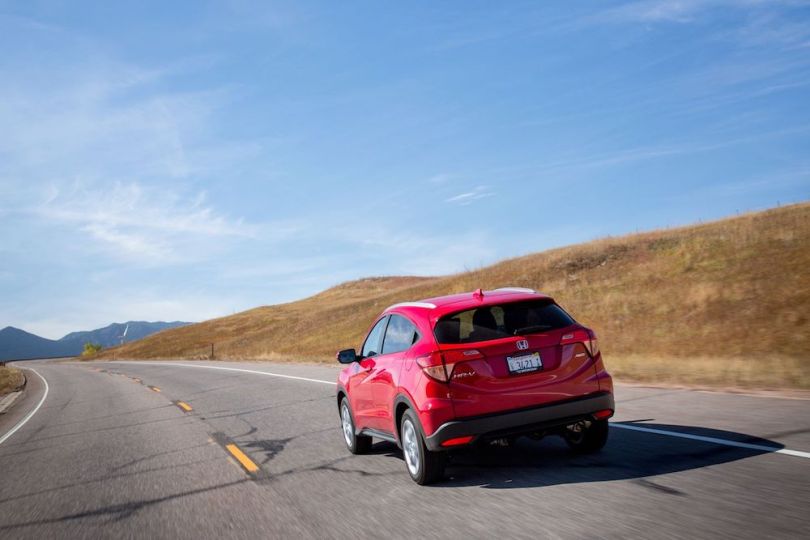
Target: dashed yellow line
[(154, 389), (240, 456), (185, 406)]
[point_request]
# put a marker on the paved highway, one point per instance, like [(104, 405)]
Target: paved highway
[(198, 450)]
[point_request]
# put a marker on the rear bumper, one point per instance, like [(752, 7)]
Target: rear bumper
[(522, 421)]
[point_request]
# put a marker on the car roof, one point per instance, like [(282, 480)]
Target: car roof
[(436, 307)]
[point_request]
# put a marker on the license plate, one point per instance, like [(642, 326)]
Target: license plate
[(525, 363)]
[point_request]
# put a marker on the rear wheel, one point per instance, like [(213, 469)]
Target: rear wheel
[(423, 465), (357, 444), (587, 436)]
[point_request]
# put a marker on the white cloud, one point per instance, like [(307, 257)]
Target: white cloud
[(97, 149), (137, 221), (477, 193)]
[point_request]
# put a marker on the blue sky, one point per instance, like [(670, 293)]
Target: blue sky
[(185, 160)]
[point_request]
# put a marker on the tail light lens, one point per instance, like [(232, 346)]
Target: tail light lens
[(586, 337), (435, 367), (442, 365)]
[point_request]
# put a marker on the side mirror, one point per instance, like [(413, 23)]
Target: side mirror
[(347, 356)]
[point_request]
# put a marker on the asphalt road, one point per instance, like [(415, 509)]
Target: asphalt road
[(108, 455)]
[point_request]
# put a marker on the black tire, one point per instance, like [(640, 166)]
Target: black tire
[(430, 465), (357, 444), (587, 440)]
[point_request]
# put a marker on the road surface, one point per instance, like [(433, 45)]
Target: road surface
[(198, 450)]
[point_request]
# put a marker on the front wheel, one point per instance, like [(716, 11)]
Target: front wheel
[(423, 465), (587, 436), (357, 444)]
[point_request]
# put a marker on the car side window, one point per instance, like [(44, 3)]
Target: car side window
[(400, 335), (371, 347)]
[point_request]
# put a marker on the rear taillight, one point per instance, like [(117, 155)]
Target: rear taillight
[(604, 413), (442, 366), (435, 367), (587, 338), (593, 350)]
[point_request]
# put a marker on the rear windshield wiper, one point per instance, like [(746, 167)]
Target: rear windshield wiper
[(532, 329)]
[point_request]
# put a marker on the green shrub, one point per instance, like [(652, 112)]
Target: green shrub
[(90, 349)]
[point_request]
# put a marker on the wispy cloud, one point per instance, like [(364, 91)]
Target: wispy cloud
[(138, 221), (412, 250), (625, 156), (104, 153), (771, 28), (469, 197), (657, 10), (679, 11), (775, 180)]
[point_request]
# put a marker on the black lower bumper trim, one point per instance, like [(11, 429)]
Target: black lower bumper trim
[(522, 421)]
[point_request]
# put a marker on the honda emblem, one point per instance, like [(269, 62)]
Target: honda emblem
[(522, 345)]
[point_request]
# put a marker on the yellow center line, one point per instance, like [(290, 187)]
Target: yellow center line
[(154, 389), (183, 405), (240, 456)]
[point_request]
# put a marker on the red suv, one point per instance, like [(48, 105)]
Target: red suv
[(473, 368)]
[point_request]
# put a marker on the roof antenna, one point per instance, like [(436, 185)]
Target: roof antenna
[(478, 293)]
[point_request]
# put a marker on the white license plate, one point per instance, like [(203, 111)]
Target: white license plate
[(525, 363)]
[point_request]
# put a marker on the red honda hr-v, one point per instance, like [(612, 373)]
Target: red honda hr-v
[(473, 368)]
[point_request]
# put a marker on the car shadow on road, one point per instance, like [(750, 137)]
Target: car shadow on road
[(628, 455)]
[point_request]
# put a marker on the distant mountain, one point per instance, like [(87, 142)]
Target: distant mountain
[(16, 344)]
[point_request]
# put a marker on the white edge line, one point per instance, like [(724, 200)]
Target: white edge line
[(333, 383), (28, 416), (725, 442), (714, 440)]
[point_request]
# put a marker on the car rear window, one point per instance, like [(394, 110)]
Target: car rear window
[(500, 321)]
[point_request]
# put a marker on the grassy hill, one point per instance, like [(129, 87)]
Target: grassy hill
[(721, 303)]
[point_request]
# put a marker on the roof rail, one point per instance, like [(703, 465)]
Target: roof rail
[(516, 289), (426, 305)]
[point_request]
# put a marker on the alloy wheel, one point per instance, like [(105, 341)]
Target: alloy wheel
[(410, 447), (348, 427)]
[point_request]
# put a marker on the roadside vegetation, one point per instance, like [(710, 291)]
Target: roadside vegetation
[(91, 349), (11, 379), (723, 303)]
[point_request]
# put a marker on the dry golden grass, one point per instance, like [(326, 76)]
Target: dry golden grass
[(10, 380), (719, 303), (765, 373)]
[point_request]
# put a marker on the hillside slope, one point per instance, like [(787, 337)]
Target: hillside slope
[(719, 303)]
